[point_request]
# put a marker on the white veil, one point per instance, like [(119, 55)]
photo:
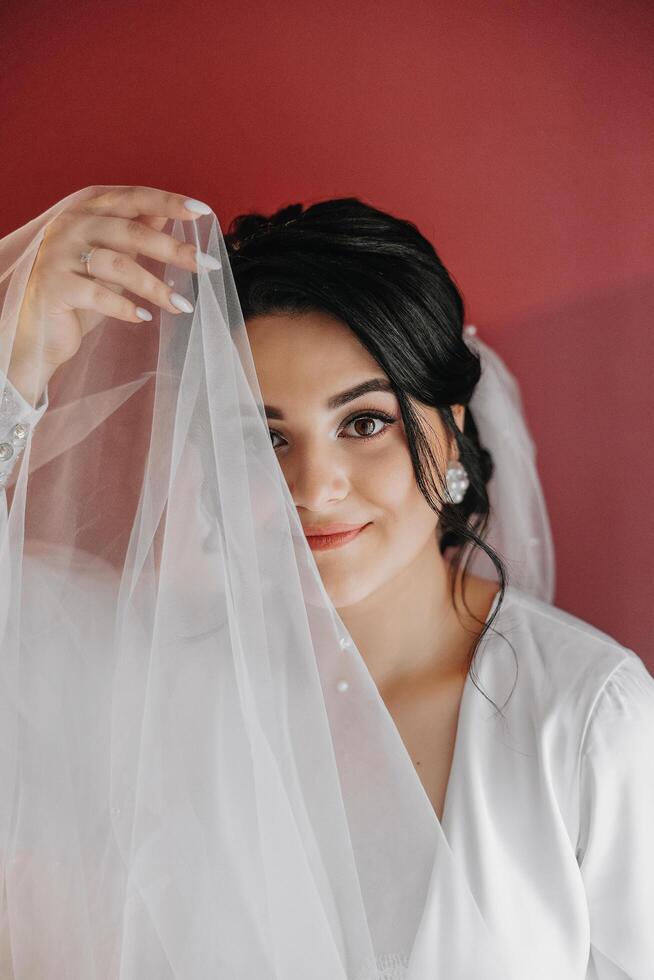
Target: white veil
[(519, 528), (189, 791)]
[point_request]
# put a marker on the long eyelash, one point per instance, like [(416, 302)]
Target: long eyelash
[(371, 413), (362, 414)]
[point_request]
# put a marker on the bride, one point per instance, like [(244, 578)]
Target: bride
[(284, 691)]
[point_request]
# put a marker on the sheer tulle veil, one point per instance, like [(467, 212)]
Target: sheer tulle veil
[(189, 788)]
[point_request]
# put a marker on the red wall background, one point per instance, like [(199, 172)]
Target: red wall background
[(517, 135)]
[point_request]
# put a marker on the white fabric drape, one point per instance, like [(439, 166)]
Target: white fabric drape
[(188, 791)]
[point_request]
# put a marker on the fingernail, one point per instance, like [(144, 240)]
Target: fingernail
[(143, 314), (181, 303), (207, 261), (197, 206)]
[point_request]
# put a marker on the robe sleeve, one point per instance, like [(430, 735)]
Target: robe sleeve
[(17, 418), (616, 842)]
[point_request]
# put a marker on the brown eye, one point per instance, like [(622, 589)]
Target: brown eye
[(365, 423), (367, 420)]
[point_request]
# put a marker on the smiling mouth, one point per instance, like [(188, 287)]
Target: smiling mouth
[(323, 542)]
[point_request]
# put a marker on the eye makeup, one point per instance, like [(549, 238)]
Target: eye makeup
[(363, 413)]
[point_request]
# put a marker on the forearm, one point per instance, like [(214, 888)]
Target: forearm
[(29, 380)]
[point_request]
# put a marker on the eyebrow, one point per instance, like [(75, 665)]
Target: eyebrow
[(336, 401)]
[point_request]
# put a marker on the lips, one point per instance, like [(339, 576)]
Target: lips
[(319, 531), (323, 542)]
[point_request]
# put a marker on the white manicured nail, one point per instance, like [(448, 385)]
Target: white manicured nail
[(143, 314), (207, 261), (171, 282), (197, 206), (181, 303)]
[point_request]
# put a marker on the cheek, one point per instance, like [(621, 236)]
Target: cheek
[(389, 483), (403, 524)]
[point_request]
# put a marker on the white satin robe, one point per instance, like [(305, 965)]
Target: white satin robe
[(551, 810)]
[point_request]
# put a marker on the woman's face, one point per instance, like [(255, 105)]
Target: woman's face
[(334, 473)]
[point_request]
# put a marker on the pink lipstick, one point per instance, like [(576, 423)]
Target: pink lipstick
[(338, 535)]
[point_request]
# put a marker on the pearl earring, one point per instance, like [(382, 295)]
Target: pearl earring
[(456, 478)]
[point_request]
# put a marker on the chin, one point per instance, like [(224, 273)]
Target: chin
[(343, 594)]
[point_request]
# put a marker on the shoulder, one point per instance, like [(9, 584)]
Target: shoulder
[(616, 758), (559, 678), (621, 720), (581, 702), (560, 652)]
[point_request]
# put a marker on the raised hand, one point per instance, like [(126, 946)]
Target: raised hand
[(63, 301)]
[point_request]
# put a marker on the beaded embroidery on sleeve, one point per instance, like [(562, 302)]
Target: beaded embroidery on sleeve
[(17, 417)]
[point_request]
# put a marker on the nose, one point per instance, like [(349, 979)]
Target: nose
[(316, 477)]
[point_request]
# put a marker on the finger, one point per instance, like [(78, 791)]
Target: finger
[(152, 221), (116, 267), (88, 294), (134, 237), (131, 201)]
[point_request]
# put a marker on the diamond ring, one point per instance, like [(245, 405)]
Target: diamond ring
[(85, 257)]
